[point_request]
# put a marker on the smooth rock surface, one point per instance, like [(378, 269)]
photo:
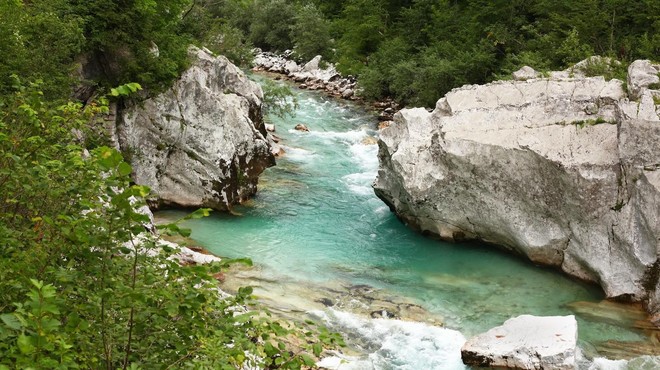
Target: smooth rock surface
[(564, 171), (202, 142), (524, 73), (525, 342)]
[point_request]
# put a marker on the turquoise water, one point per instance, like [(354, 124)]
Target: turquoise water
[(316, 220)]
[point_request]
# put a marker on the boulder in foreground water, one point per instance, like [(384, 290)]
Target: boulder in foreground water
[(525, 342)]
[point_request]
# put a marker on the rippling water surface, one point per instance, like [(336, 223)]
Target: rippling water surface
[(317, 221)]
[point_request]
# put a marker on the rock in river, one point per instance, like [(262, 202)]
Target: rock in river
[(301, 127), (202, 142), (564, 171), (525, 342)]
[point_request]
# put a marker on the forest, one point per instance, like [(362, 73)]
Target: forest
[(76, 291), (413, 51)]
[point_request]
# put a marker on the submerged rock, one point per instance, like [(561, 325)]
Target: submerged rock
[(525, 342), (301, 127), (369, 140), (202, 142), (565, 171)]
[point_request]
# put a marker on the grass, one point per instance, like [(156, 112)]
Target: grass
[(590, 122)]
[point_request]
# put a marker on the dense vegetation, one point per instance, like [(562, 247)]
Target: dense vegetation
[(416, 50), (83, 283), (411, 50)]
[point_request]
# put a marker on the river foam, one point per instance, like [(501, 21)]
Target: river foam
[(639, 363), (394, 344)]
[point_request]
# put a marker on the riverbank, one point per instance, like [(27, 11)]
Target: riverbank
[(316, 75)]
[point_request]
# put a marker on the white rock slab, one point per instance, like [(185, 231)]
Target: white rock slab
[(526, 342)]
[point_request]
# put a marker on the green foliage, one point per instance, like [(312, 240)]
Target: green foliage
[(123, 38), (417, 50), (278, 99), (271, 28), (609, 68), (231, 42), (83, 284), (310, 33), (118, 42), (125, 90), (363, 24), (571, 50), (39, 40), (590, 122)]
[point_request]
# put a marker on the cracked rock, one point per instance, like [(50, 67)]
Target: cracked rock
[(202, 142), (523, 165)]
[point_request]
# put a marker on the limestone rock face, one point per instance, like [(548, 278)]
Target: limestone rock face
[(565, 171), (201, 143), (641, 74), (525, 342)]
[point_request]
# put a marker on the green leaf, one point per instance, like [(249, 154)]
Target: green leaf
[(124, 169), (243, 318), (25, 344), (270, 349), (317, 349), (38, 284), (11, 321), (48, 291), (245, 291), (50, 325), (308, 360), (142, 190), (108, 157), (202, 212)]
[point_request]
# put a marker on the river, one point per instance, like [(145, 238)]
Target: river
[(316, 230)]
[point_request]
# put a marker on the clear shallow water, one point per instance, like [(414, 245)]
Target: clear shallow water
[(316, 220)]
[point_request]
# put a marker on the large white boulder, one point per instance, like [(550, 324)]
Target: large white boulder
[(526, 342), (202, 142), (563, 171)]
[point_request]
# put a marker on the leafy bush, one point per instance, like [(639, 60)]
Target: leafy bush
[(38, 40), (82, 283), (278, 99)]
